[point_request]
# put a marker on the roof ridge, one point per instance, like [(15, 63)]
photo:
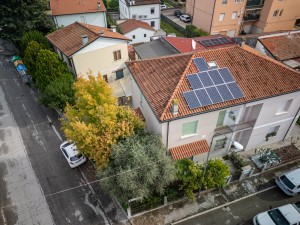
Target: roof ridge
[(86, 27)]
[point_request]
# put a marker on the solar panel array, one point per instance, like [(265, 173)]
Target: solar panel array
[(216, 41), (211, 86)]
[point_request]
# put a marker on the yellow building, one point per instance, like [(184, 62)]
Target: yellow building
[(233, 17)]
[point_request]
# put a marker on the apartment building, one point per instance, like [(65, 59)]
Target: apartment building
[(234, 17)]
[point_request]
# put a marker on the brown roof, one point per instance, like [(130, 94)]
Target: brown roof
[(189, 150), (163, 79), (130, 25), (143, 2), (284, 46), (65, 7), (131, 52), (69, 38)]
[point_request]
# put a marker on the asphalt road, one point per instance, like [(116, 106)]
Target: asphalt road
[(243, 211), (68, 201)]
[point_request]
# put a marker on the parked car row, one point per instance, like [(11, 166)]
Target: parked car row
[(183, 17), (22, 70)]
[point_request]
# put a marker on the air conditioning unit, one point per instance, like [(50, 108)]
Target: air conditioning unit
[(140, 16), (134, 16)]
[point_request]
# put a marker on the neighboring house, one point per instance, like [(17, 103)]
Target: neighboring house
[(232, 17), (189, 97), (284, 47), (91, 48), (144, 10), (67, 12), (136, 30)]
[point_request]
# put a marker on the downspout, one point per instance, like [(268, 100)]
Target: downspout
[(167, 144), (291, 124), (212, 17)]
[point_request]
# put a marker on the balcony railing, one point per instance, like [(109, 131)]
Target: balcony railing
[(251, 17), (235, 127), (254, 3)]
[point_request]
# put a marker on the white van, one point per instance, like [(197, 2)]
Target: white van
[(283, 215), (289, 182)]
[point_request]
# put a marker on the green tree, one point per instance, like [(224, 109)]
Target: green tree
[(95, 121), (114, 5), (192, 31), (48, 67), (30, 56), (59, 92), (18, 17), (34, 36), (190, 175), (139, 167)]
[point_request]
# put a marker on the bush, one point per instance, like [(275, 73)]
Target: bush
[(192, 31), (34, 36), (237, 160), (114, 5)]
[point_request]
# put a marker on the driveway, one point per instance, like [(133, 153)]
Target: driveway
[(37, 186), (170, 14)]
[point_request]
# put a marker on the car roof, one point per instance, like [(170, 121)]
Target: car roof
[(294, 176), (71, 149), (290, 212)]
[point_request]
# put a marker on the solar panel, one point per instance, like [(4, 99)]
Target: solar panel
[(224, 40), (191, 99), (203, 97), (205, 79), (226, 75), (225, 93), (235, 90), (214, 95), (216, 77), (201, 64), (194, 81)]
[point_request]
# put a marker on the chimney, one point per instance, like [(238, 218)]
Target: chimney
[(99, 6), (174, 108), (85, 39), (193, 44), (113, 28)]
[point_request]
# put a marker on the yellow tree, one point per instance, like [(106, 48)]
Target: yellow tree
[(96, 122)]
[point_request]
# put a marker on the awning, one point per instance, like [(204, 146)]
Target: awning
[(121, 87), (189, 150)]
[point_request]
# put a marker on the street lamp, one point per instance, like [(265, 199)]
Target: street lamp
[(235, 143)]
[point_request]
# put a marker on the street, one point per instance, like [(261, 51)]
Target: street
[(37, 186), (243, 211)]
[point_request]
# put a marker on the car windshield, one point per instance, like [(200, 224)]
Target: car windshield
[(287, 182), (277, 217), (76, 157)]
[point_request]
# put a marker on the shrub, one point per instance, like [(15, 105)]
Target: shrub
[(192, 31), (237, 160)]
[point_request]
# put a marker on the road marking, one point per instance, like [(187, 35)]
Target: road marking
[(54, 128), (3, 217), (221, 206)]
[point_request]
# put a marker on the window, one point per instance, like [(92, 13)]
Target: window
[(133, 36), (152, 10), (220, 144), (117, 55), (281, 11), (82, 19), (233, 16), (189, 128), (221, 16), (70, 62), (212, 65), (145, 35), (119, 74), (105, 78), (152, 23), (236, 1), (272, 132), (284, 106), (221, 118), (275, 14), (224, 2)]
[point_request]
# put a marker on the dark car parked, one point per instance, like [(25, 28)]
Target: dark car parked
[(177, 13)]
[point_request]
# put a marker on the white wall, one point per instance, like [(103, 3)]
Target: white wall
[(259, 47), (97, 19), (139, 35)]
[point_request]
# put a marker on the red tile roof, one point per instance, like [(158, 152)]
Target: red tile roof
[(163, 79), (66, 7), (69, 38), (130, 25), (284, 46), (143, 2), (131, 52), (189, 150)]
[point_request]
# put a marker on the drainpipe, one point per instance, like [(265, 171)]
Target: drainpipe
[(291, 124), (167, 144)]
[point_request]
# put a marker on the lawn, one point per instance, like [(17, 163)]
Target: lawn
[(169, 29)]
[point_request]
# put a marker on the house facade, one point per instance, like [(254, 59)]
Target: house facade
[(90, 48), (67, 12), (264, 113), (233, 17), (146, 11)]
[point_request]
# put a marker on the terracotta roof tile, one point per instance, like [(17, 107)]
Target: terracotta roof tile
[(131, 52), (189, 150), (69, 38), (284, 46), (66, 7), (163, 79), (130, 25)]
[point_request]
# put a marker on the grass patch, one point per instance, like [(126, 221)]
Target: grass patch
[(169, 29)]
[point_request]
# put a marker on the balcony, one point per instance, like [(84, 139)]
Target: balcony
[(236, 127), (254, 4), (251, 17)]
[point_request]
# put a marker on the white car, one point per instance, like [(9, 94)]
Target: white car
[(163, 7), (289, 182), (72, 155), (185, 18)]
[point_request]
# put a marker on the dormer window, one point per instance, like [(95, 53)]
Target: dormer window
[(212, 65)]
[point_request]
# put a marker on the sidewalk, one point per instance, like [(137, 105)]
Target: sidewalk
[(210, 199)]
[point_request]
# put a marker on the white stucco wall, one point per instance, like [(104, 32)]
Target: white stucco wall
[(259, 47), (97, 19), (139, 35)]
